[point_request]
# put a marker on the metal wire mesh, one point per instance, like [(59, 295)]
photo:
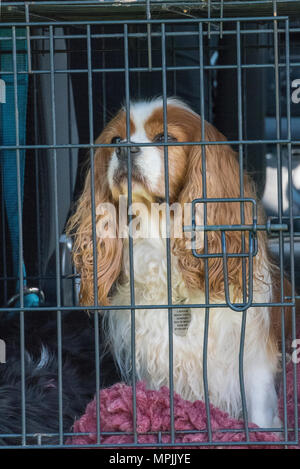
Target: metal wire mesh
[(94, 56)]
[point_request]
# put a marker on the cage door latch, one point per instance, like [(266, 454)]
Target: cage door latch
[(271, 226)]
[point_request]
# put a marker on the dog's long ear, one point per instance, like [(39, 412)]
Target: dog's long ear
[(80, 228), (222, 181)]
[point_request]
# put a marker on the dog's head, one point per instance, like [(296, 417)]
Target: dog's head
[(142, 142)]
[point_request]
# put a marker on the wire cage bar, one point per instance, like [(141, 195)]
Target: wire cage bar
[(80, 61)]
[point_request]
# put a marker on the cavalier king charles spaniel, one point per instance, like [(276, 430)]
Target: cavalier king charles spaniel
[(185, 279)]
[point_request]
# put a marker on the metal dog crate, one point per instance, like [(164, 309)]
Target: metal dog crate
[(235, 62)]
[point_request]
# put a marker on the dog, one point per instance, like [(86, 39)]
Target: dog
[(194, 172)]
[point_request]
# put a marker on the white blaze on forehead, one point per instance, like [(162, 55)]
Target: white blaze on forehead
[(149, 161), (142, 110)]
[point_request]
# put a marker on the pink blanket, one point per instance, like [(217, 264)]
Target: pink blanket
[(153, 415)]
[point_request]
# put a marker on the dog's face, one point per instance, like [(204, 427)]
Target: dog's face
[(148, 162)]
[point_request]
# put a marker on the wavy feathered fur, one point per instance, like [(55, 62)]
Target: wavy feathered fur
[(80, 228)]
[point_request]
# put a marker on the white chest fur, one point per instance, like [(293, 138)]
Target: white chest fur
[(152, 338)]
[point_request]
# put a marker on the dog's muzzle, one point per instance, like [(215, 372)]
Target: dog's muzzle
[(122, 153)]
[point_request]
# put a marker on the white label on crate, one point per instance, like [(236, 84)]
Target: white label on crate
[(181, 320), (2, 92)]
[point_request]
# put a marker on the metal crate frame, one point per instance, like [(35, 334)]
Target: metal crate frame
[(275, 26)]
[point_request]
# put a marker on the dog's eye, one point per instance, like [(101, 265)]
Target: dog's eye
[(116, 139), (159, 138)]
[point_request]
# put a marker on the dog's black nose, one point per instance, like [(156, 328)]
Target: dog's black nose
[(122, 152)]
